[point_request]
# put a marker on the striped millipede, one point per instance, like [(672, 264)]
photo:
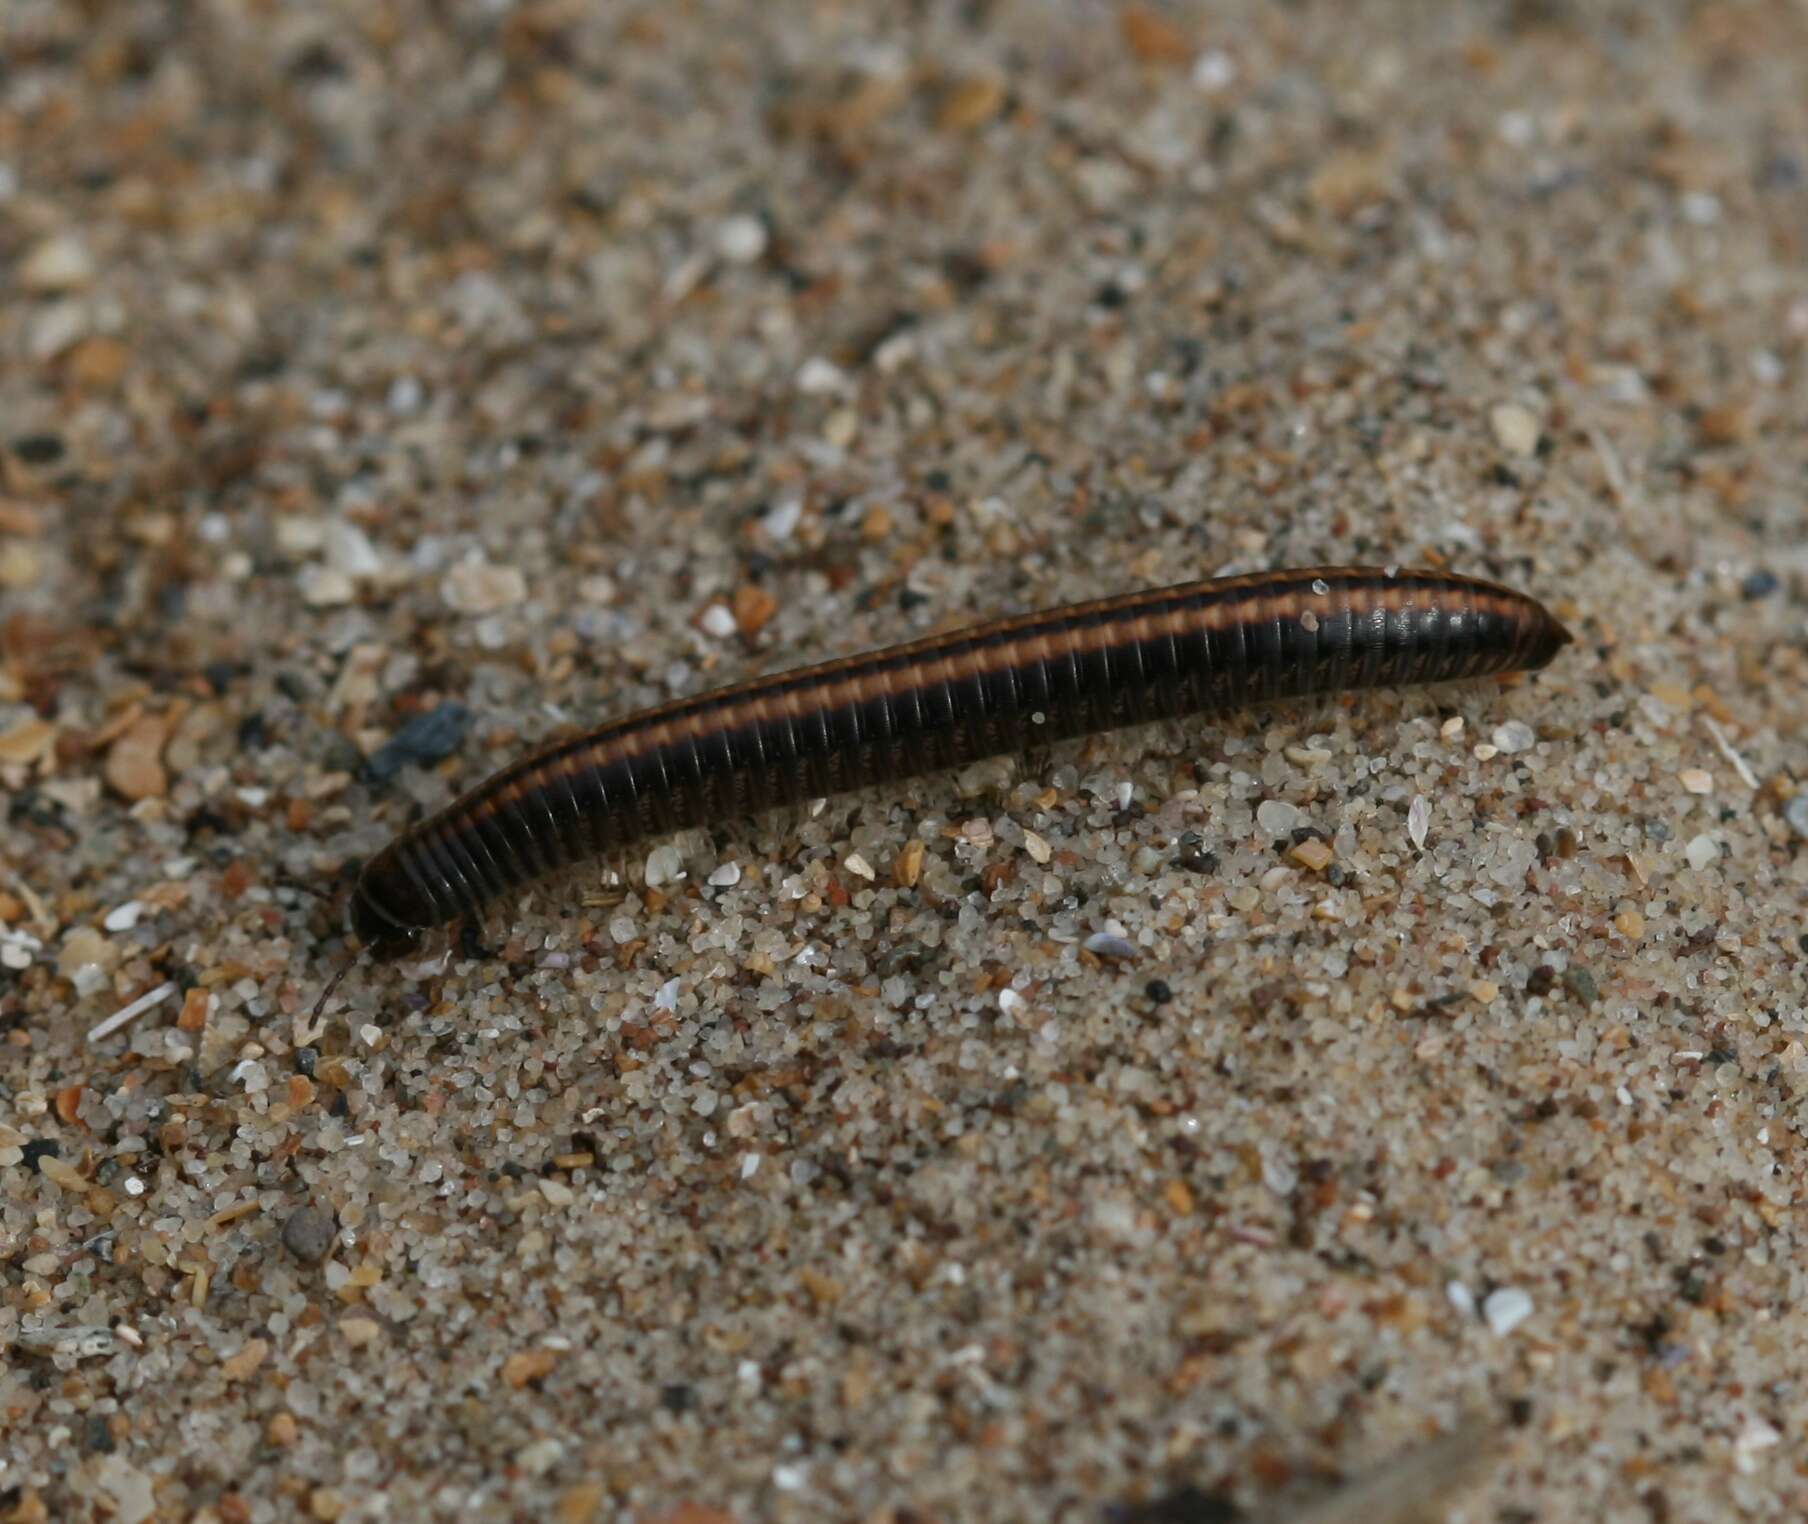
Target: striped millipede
[(938, 703)]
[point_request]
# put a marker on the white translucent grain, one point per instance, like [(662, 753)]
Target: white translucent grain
[(1276, 816), (665, 865), (1104, 945), (130, 1012), (1418, 821), (818, 376), (1514, 736), (1506, 1309), (741, 239)]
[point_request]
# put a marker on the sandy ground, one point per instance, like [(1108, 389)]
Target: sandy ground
[(385, 385)]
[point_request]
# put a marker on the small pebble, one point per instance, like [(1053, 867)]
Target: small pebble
[(718, 620), (1701, 852), (20, 565), (1796, 813), (665, 865), (1756, 1437), (1418, 821), (754, 606), (1313, 853), (1213, 70), (359, 1331), (349, 550), (482, 587), (1276, 817), (244, 1363), (1759, 584), (124, 917), (741, 239), (1514, 736), (1103, 945), (308, 1234), (27, 742), (425, 740), (58, 264), (541, 1456), (725, 876), (325, 587), (907, 867), (818, 377), (1696, 780), (780, 521), (134, 768), (40, 449), (1506, 1309), (1515, 429), (971, 103), (1582, 984)]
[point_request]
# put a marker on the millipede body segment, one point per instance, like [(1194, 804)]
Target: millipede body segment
[(942, 702)]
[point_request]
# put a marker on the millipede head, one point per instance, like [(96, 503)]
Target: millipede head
[(383, 938), (387, 913)]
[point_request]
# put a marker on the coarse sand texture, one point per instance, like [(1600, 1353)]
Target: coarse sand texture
[(1381, 1108)]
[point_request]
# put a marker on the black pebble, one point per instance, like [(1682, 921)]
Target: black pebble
[(1760, 584), (40, 1148), (309, 1234), (1189, 1505), (1157, 990), (424, 740), (254, 732), (39, 449)]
